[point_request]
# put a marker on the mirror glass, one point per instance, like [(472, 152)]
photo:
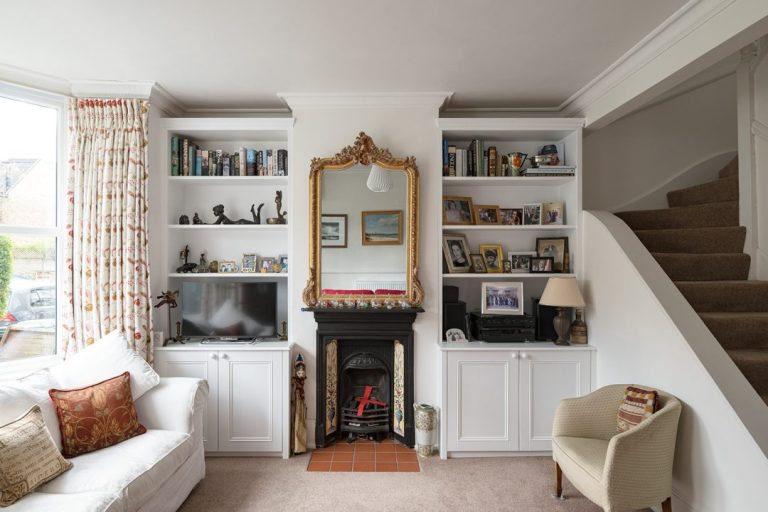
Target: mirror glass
[(364, 234)]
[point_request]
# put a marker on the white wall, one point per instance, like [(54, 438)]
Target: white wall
[(407, 130), (631, 304), (634, 161)]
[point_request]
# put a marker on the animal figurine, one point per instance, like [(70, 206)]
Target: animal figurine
[(168, 297)]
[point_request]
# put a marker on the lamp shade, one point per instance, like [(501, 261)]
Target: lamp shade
[(379, 180), (562, 292)]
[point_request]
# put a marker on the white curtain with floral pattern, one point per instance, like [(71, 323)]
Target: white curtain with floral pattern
[(107, 262)]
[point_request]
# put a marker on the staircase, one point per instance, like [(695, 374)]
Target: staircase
[(699, 243)]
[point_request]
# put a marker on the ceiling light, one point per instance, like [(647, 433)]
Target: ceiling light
[(379, 180)]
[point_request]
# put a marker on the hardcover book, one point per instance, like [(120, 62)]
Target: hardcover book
[(241, 162), (250, 162), (185, 157), (282, 162), (174, 156)]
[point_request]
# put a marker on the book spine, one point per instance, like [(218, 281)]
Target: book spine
[(204, 167), (198, 162), (191, 159), (492, 161), (470, 160), (242, 164), (270, 163), (282, 162), (226, 165), (250, 162), (185, 157), (260, 163), (451, 160), (219, 162), (234, 165), (174, 156), (481, 161), (446, 168)]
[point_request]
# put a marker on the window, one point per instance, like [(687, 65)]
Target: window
[(31, 165)]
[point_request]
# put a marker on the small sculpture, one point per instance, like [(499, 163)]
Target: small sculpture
[(300, 407), (186, 267), (218, 211), (196, 219), (279, 205), (202, 267), (168, 298), (184, 220), (256, 214)]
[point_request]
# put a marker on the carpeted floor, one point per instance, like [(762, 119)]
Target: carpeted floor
[(521, 484)]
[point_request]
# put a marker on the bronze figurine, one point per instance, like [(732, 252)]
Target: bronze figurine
[(196, 219), (279, 204), (186, 266), (183, 220)]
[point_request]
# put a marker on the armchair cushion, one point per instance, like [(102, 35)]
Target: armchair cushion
[(589, 454)]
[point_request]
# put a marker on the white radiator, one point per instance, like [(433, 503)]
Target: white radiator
[(365, 284)]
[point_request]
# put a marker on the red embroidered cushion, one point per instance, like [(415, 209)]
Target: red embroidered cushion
[(97, 416)]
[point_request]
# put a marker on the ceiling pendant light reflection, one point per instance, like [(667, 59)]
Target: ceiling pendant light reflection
[(379, 180)]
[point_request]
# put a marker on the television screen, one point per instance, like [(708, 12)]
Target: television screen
[(247, 310)]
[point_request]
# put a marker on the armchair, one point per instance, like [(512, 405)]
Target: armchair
[(617, 471)]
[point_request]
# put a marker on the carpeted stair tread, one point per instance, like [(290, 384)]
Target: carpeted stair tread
[(738, 330), (697, 240), (725, 189), (753, 363), (704, 267), (731, 168), (697, 216), (725, 296)]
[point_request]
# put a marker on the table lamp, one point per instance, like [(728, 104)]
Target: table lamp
[(562, 292)]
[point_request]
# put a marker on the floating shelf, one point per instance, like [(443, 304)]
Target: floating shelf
[(211, 275), (499, 275), (246, 227), (515, 181), (497, 227), (230, 180)]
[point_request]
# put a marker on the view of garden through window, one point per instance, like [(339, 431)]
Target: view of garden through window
[(28, 229)]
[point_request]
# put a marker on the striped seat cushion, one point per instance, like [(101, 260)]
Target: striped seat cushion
[(638, 404)]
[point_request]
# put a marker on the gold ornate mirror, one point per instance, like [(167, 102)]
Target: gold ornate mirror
[(363, 228)]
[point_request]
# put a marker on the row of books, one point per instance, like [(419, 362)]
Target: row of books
[(188, 159), (477, 160)]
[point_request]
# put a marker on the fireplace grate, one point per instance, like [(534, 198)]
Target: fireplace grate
[(375, 418)]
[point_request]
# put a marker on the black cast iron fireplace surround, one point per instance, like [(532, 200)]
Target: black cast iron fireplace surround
[(344, 334)]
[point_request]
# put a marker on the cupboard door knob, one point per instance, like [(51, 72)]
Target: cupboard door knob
[(523, 356), (214, 356), (224, 356), (513, 355)]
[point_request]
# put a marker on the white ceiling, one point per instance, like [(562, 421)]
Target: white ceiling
[(240, 53)]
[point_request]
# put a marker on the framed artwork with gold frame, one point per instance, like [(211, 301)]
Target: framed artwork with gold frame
[(458, 210), (382, 227), (493, 255), (487, 214)]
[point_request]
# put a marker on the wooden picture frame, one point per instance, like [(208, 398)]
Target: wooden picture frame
[(555, 247), (333, 230), (478, 264), (382, 227), (458, 210), (502, 298), (520, 261), (487, 214), (493, 256), (456, 252), (542, 265), (227, 267), (552, 213)]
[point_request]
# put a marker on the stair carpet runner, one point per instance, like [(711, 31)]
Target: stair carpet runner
[(699, 243)]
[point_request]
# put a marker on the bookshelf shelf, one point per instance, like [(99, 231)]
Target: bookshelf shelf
[(496, 227), (512, 276), (238, 275), (512, 181), (230, 227), (230, 180)]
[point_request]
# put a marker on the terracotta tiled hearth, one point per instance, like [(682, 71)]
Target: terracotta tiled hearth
[(365, 456)]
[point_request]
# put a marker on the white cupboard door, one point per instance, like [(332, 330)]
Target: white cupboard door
[(250, 401), (546, 377), (200, 365), (482, 401)]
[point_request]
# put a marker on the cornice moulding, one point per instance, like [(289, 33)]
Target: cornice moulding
[(34, 80), (298, 101), (111, 89)]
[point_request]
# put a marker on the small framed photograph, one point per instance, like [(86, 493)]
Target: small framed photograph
[(333, 231), (493, 255), (542, 265), (555, 248), (267, 265), (511, 216), (383, 227), (478, 264), (487, 214), (283, 259), (250, 262), (552, 213), (520, 261), (455, 335), (532, 214), (458, 210), (456, 251), (502, 298), (227, 267), (507, 267)]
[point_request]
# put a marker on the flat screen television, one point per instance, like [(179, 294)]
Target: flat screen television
[(228, 310)]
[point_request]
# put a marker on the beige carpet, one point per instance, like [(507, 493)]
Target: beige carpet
[(490, 484)]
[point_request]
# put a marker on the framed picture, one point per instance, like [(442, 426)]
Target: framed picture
[(227, 267), (478, 263), (250, 262), (458, 210), (266, 265), (493, 255), (532, 214), (520, 261), (456, 251), (487, 214), (552, 213), (383, 227), (507, 267), (502, 298), (511, 216), (283, 259), (333, 231), (555, 248), (543, 264)]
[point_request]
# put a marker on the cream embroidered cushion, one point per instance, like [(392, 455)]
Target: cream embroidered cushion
[(28, 457), (103, 360)]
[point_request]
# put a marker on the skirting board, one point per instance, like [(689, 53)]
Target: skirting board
[(678, 504)]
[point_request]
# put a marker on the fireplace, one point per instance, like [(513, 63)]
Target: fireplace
[(364, 374)]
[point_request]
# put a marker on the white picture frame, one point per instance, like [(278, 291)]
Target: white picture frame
[(502, 298)]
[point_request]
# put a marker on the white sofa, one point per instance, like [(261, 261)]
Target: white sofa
[(154, 471)]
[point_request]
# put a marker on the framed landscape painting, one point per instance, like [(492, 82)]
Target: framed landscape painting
[(333, 231), (383, 227)]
